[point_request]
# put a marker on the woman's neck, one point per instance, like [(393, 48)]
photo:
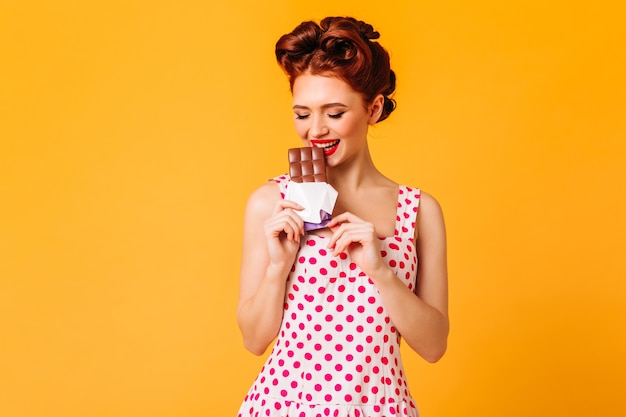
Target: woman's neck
[(354, 174)]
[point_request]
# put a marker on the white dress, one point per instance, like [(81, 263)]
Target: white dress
[(337, 353)]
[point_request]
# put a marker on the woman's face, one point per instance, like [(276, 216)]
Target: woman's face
[(329, 114)]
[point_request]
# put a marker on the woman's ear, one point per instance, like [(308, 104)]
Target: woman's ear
[(375, 109)]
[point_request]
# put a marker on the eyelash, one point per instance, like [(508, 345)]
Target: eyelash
[(332, 116)]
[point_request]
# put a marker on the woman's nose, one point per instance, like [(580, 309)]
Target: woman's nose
[(318, 128)]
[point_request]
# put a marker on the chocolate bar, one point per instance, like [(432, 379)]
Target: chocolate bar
[(307, 164)]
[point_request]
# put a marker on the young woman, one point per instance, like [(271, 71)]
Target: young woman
[(337, 299)]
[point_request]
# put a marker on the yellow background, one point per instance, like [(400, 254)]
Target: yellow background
[(131, 133)]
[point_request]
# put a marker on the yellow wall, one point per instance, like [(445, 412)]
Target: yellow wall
[(131, 133)]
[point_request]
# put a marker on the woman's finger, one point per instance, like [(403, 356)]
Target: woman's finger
[(345, 217), (286, 221), (347, 234), (286, 204)]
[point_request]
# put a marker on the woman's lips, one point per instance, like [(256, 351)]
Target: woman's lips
[(328, 145)]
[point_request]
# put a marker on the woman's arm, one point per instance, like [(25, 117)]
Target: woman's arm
[(421, 317), (270, 242)]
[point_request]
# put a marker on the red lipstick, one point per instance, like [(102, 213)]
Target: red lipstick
[(328, 145)]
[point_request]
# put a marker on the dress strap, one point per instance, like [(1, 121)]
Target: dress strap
[(283, 182), (408, 205)]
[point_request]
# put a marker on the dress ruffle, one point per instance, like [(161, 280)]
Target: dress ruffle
[(276, 407)]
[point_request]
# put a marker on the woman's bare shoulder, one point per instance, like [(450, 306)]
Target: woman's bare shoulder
[(263, 198), (429, 203), (429, 217)]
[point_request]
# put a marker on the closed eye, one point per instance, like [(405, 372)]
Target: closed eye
[(336, 115), (301, 116)]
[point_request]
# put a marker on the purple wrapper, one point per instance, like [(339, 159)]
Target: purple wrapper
[(314, 226)]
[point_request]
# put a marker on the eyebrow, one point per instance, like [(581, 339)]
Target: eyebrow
[(325, 106)]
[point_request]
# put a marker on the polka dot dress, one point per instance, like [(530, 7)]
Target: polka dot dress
[(337, 353)]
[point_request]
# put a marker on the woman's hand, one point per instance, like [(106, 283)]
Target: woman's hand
[(358, 238), (282, 233)]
